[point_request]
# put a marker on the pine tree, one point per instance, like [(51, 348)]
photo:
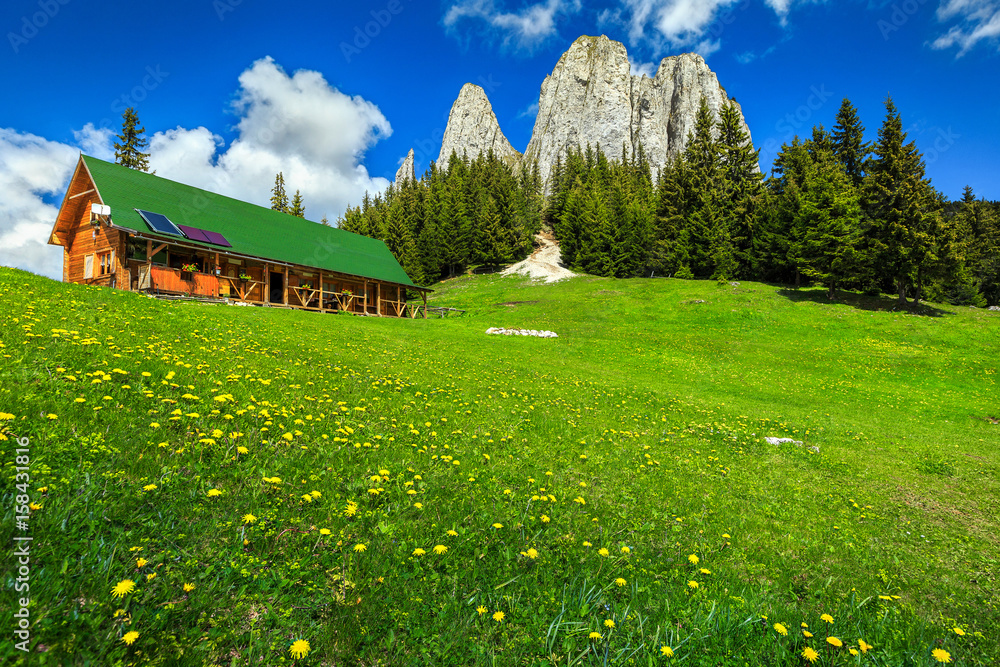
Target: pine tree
[(710, 243), (298, 208), (131, 142), (279, 200), (828, 220), (849, 145), (670, 254), (325, 222), (742, 189), (901, 207)]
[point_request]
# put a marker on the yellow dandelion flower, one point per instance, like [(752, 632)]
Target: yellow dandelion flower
[(666, 652), (833, 641), (123, 588), (481, 610), (299, 649), (324, 531), (249, 518), (452, 533), (603, 552), (498, 616), (149, 487), (853, 651), (242, 450), (807, 634), (188, 588), (595, 636), (827, 618), (626, 551), (705, 571), (545, 519), (531, 553), (959, 631), (694, 560), (941, 655), (498, 526), (780, 629), (587, 544), (804, 624), (440, 549), (130, 637), (864, 646), (692, 584), (619, 582), (726, 536), (609, 623), (214, 492), (418, 552), (809, 654), (359, 547), (141, 562), (150, 576)]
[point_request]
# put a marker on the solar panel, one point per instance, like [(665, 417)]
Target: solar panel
[(159, 223), (194, 233), (217, 239)]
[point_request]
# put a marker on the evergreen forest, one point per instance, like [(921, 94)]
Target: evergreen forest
[(835, 211)]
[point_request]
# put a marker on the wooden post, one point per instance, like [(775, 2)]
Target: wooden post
[(378, 299), (266, 297), (284, 290), (322, 309), (423, 295)]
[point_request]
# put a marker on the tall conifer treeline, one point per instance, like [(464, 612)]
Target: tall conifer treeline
[(476, 212), (835, 211)]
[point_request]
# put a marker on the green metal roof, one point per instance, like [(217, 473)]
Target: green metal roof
[(252, 230)]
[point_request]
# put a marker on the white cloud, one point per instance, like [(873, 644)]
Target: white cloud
[(96, 142), (32, 171), (978, 20), (298, 125), (642, 69), (668, 25), (531, 111), (526, 29)]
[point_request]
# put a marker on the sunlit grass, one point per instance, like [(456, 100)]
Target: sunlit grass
[(286, 487)]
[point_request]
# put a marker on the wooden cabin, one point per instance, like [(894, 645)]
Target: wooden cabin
[(130, 230)]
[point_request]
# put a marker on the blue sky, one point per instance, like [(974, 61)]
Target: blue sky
[(335, 94)]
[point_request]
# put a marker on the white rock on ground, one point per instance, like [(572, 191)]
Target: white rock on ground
[(499, 331)]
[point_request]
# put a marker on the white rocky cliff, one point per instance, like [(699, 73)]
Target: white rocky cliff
[(473, 128), (592, 97), (406, 170)]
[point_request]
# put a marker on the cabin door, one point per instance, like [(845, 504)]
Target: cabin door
[(277, 294)]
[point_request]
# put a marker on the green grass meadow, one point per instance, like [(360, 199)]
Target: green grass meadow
[(215, 485)]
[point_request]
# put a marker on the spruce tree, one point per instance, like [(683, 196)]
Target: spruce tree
[(710, 245), (297, 208), (900, 205), (849, 147), (742, 189), (131, 142), (279, 200), (828, 221)]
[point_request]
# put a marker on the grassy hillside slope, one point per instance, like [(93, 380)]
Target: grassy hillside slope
[(416, 492)]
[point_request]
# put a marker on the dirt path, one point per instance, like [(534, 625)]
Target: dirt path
[(544, 263)]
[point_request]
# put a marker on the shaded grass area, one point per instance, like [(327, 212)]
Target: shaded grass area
[(638, 432)]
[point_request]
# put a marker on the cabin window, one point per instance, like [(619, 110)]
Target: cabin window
[(106, 263), (88, 266)]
